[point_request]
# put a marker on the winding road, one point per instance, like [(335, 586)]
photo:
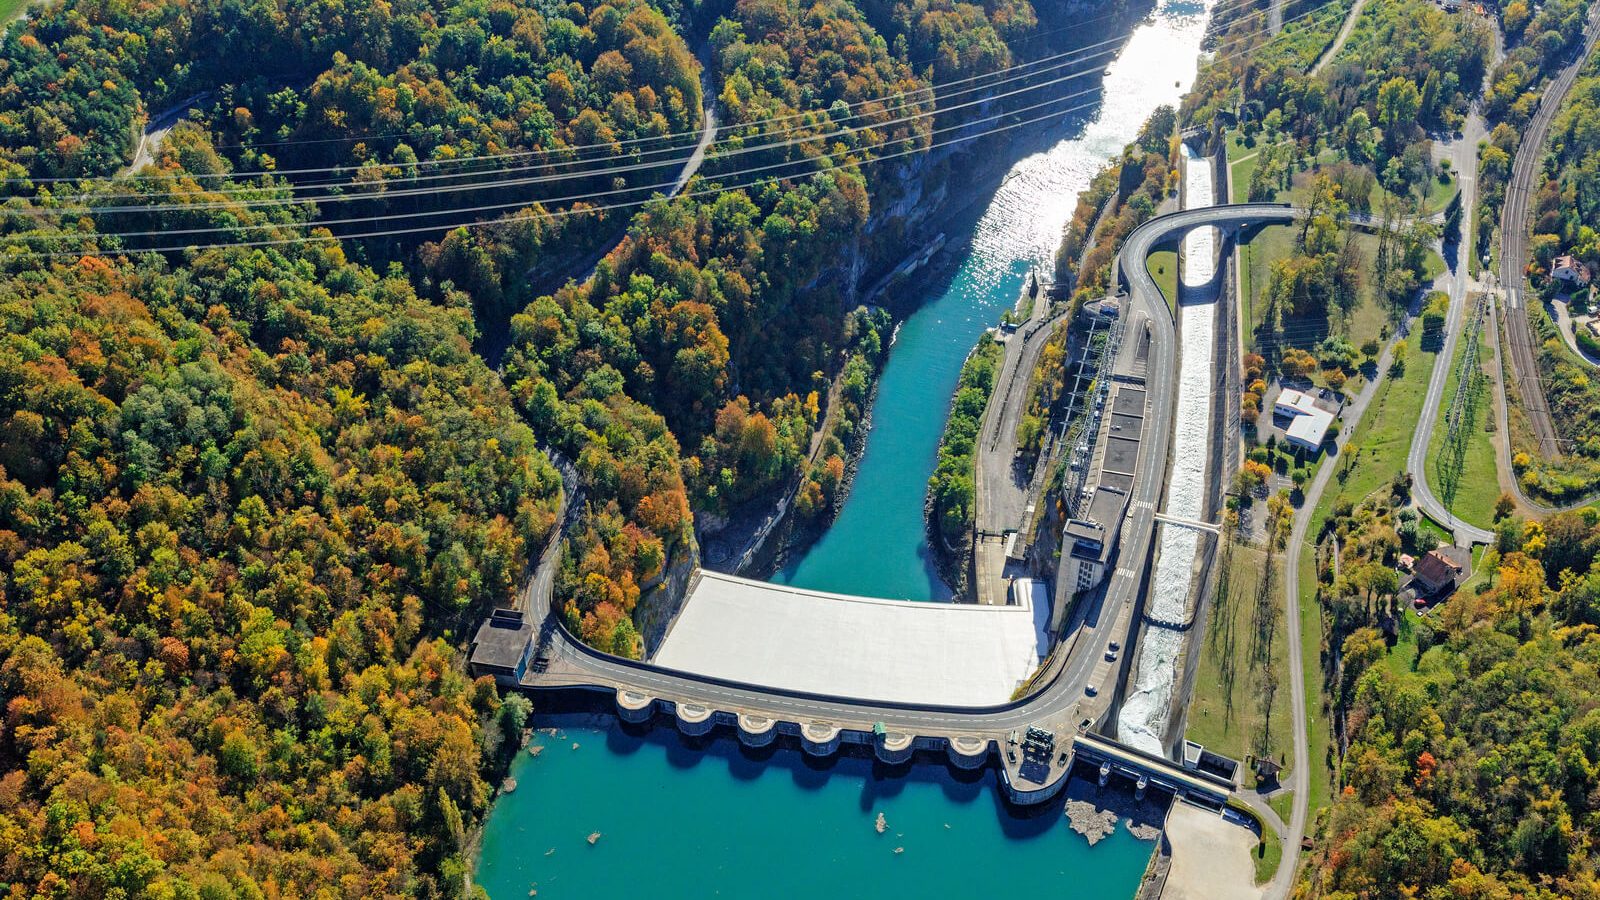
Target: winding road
[(1464, 159), (156, 130)]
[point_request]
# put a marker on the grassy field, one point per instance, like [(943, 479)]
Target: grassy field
[(1274, 242), (1428, 523), (10, 9), (1267, 855), (1404, 652), (1439, 193), (1382, 440), (1227, 713), (1242, 161), (1163, 266), (1475, 487)]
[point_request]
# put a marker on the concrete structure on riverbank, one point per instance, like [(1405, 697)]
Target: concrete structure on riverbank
[(1069, 697)]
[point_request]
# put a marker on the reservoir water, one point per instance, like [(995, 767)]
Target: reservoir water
[(712, 820), (708, 819)]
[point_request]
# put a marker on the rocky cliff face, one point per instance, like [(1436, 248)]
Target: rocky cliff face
[(661, 600), (910, 209)]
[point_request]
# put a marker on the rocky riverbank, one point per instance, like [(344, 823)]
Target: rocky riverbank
[(1095, 812)]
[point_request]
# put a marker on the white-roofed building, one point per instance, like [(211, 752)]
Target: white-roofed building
[(1307, 422)]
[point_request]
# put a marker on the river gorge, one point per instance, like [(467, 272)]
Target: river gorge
[(602, 809)]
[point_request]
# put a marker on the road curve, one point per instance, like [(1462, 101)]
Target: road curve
[(1465, 163), (1060, 690)]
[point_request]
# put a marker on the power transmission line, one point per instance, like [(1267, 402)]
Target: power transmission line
[(563, 213), (546, 178), (1059, 60)]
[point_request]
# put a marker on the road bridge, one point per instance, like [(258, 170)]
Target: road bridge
[(1067, 698), (1196, 524)]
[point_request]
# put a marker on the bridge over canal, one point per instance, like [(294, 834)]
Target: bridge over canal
[(1069, 698)]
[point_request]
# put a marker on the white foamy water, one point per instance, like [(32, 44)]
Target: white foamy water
[(1143, 720)]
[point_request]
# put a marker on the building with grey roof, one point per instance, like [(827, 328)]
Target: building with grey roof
[(501, 646)]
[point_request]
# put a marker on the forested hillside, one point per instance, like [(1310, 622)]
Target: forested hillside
[(1566, 220), (1473, 762), (239, 503), (252, 498)]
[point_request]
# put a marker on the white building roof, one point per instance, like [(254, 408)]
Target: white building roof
[(1309, 428), (773, 635), (1293, 402)]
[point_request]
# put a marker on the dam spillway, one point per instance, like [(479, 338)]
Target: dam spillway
[(1143, 720)]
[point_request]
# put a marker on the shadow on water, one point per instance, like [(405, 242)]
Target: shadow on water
[(879, 781)]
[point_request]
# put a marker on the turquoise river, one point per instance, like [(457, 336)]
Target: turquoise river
[(682, 819)]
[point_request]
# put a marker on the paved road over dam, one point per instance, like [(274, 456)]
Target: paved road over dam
[(1059, 698)]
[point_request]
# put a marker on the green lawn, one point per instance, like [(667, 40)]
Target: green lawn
[(1383, 439), (1274, 242), (1428, 523), (1319, 779), (1282, 803), (1163, 266), (1267, 244), (1433, 266), (1267, 854), (1439, 194), (1404, 651), (1480, 572), (1225, 713), (10, 9), (1241, 166), (1476, 487)]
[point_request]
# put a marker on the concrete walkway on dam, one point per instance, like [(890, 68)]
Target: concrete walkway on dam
[(897, 651)]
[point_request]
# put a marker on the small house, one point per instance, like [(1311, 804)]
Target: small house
[(1570, 270), (1436, 574)]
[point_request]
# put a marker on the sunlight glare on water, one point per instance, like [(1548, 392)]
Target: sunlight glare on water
[(878, 546), (676, 819)]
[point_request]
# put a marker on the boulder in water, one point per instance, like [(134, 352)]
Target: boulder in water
[(1093, 823)]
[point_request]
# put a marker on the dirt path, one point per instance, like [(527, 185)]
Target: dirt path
[(1333, 49), (156, 130)]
